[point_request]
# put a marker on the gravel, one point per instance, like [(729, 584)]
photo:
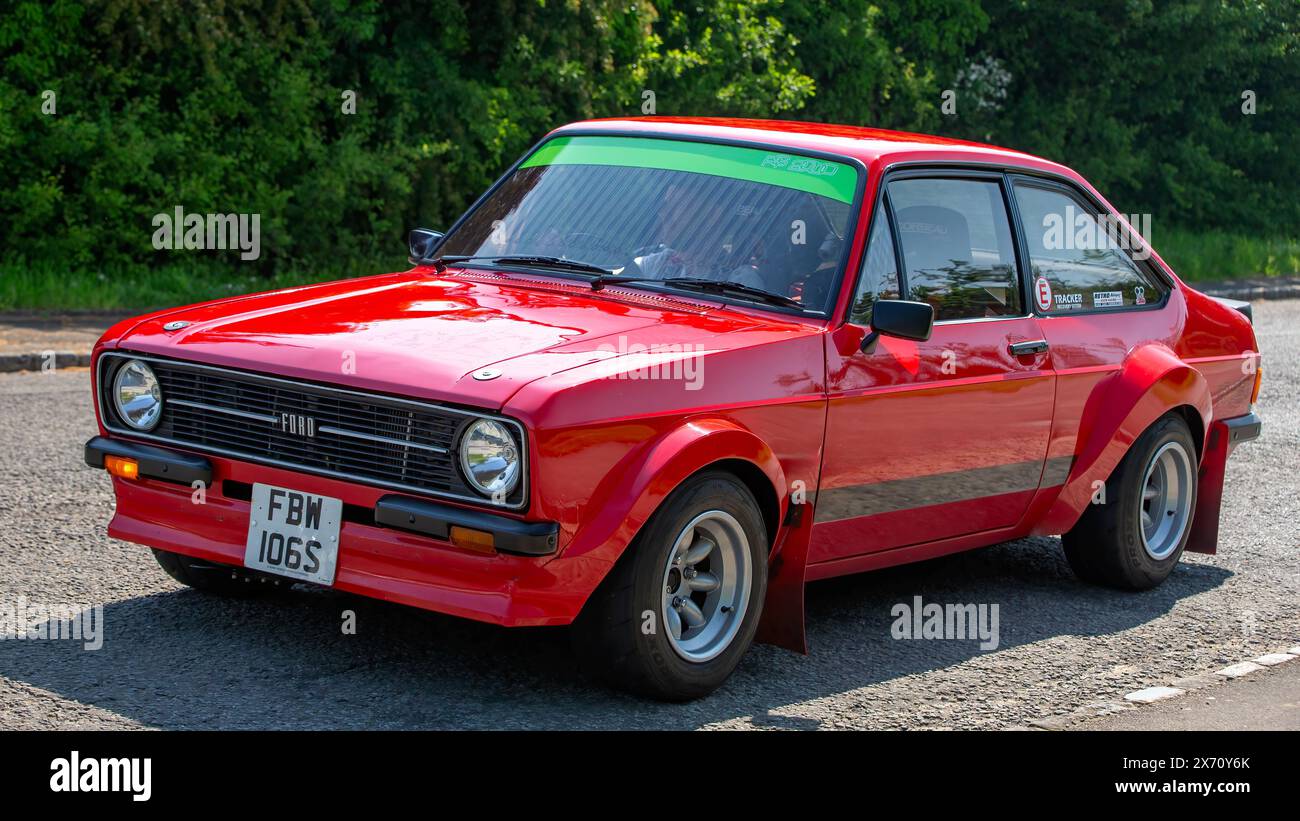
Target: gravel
[(173, 658)]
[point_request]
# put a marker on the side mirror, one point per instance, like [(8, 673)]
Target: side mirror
[(422, 243), (900, 318)]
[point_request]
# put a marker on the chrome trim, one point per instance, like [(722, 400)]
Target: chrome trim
[(385, 439), (969, 319), (1009, 168), (260, 417), (521, 505)]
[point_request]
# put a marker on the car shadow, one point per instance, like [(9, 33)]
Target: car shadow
[(181, 659)]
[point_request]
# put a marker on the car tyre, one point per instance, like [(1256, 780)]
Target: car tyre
[(626, 634), (216, 579), (1134, 539)]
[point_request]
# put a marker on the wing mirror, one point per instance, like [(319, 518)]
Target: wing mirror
[(900, 318), (422, 243)]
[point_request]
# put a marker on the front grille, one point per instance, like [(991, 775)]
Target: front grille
[(378, 439)]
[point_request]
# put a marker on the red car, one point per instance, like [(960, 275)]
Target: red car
[(667, 371)]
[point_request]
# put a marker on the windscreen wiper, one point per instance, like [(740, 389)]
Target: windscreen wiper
[(606, 276), (441, 263), (726, 286)]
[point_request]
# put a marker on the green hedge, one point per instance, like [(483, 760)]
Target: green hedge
[(236, 106)]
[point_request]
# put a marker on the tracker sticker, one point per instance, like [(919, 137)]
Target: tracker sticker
[(1043, 294), (1069, 302), (1108, 299)]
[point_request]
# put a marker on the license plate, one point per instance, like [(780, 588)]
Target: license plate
[(294, 534)]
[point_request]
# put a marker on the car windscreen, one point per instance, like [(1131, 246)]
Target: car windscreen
[(660, 208)]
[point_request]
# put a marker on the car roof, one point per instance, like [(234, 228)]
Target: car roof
[(868, 145)]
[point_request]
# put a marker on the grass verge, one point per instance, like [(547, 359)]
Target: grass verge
[(1218, 255), (46, 290)]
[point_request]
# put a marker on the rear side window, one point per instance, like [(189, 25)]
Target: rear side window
[(957, 248), (1076, 261), (879, 278)]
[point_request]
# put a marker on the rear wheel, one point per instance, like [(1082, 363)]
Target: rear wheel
[(216, 579), (680, 609), (1134, 539)]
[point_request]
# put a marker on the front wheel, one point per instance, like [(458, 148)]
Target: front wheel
[(1136, 535), (680, 609)]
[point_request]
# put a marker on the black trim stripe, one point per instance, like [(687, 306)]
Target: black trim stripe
[(1057, 470), (939, 489)]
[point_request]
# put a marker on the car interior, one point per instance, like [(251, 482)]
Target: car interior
[(944, 269)]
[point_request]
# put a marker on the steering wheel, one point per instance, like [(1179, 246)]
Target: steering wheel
[(816, 288)]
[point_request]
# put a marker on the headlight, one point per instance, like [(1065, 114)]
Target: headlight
[(489, 456), (137, 395)]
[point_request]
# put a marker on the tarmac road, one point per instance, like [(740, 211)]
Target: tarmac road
[(1268, 699), (173, 658)]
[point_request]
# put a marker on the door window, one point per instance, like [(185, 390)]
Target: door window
[(957, 248)]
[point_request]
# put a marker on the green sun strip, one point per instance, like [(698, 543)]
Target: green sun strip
[(826, 178)]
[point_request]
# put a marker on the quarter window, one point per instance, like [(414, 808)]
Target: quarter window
[(1077, 260), (957, 246), (879, 278)]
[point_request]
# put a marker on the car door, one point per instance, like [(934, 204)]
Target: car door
[(932, 440), (1100, 295)]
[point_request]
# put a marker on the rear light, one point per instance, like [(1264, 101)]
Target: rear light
[(122, 467), (1259, 376)]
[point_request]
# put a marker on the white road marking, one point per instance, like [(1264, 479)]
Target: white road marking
[(1239, 669), (1151, 694)]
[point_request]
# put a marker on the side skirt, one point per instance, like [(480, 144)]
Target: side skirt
[(910, 553)]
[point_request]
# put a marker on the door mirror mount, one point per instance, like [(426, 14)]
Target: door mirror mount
[(422, 242)]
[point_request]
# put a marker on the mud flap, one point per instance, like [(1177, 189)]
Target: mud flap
[(782, 623), (1224, 436), (1204, 537)]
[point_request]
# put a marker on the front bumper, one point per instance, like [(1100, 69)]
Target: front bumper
[(392, 547), (155, 463)]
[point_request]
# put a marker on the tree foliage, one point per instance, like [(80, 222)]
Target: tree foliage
[(238, 105)]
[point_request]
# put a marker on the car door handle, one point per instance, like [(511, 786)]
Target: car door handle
[(1028, 348)]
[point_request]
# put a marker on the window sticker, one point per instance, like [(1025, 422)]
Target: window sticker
[(825, 178), (1108, 299), (1043, 294), (1069, 302), (1139, 295)]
